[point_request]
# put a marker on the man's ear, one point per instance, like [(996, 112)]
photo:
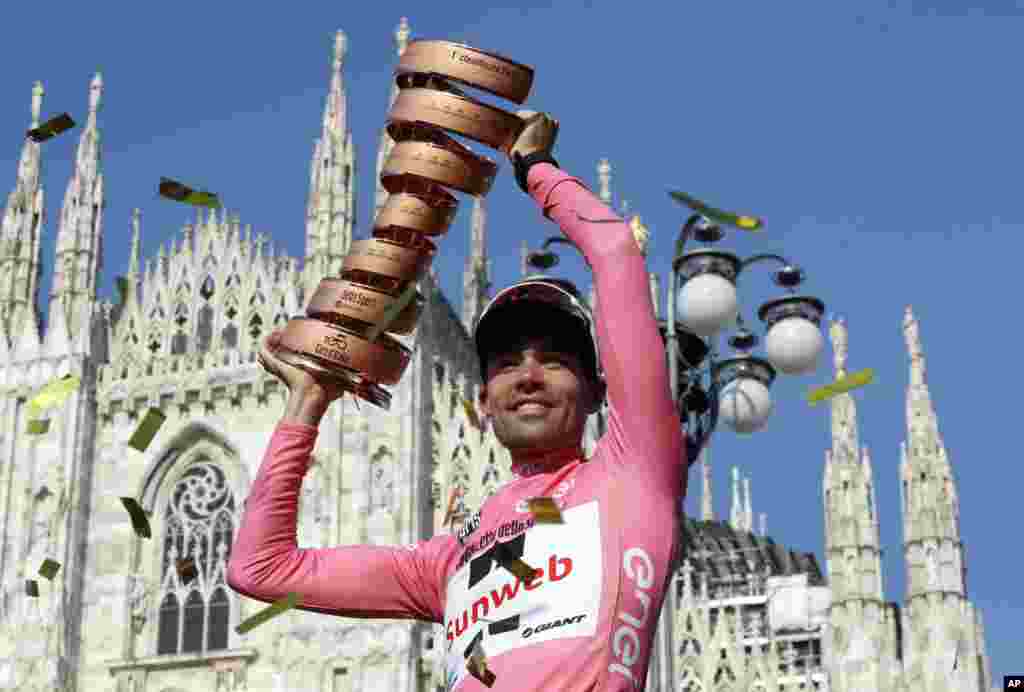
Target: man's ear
[(481, 401)]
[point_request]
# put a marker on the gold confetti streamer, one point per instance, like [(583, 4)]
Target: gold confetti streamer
[(474, 419), (177, 192), (53, 394), (51, 128), (841, 385), (514, 565), (276, 608), (38, 427), (49, 569), (186, 568), (545, 511), (741, 221), (450, 514), (477, 665), (31, 588), (140, 521), (147, 429)]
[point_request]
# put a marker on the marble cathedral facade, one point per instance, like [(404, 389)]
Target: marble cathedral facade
[(182, 338)]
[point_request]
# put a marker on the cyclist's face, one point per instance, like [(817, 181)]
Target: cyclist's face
[(535, 370)]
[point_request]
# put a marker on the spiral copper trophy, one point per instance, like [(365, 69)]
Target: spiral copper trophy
[(345, 333)]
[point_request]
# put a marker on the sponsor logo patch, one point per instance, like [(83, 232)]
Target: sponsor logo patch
[(552, 625)]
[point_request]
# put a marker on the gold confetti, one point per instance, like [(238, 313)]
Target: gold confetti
[(474, 419), (38, 427), (51, 128), (174, 190), (841, 385), (49, 569), (53, 394), (545, 511), (477, 665), (450, 514), (140, 521), (147, 429), (186, 568), (514, 565), (276, 608), (743, 221), (31, 588)]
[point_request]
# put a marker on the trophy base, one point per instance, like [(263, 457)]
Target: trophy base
[(349, 380)]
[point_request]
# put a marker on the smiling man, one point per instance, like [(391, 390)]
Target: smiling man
[(565, 607)]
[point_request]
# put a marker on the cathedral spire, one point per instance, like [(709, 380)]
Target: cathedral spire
[(939, 617), (851, 523), (707, 498), (79, 247), (330, 214), (736, 506), (748, 508), (476, 282), (20, 233), (402, 33), (133, 261), (931, 508)]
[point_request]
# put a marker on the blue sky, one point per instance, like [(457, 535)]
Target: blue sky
[(877, 141)]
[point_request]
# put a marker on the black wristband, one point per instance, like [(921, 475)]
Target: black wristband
[(522, 165)]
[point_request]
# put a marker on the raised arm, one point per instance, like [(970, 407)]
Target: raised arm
[(632, 351), (359, 581)]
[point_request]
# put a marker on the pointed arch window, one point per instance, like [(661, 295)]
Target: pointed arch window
[(206, 290), (230, 335), (204, 328), (199, 519)]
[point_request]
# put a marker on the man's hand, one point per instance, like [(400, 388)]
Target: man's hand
[(309, 396), (539, 135), (533, 145)]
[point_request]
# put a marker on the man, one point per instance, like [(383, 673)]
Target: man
[(584, 620)]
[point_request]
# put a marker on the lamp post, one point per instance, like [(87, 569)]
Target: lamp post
[(702, 288)]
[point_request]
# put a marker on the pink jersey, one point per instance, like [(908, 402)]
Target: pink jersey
[(586, 624)]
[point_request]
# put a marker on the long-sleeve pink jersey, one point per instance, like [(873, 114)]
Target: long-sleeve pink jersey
[(586, 623)]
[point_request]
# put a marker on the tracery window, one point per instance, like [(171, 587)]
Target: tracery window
[(382, 479), (199, 520), (204, 328)]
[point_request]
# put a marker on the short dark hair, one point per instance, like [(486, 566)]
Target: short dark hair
[(511, 327)]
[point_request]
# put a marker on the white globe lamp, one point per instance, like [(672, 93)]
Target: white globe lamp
[(707, 304), (794, 341), (794, 345), (745, 405)]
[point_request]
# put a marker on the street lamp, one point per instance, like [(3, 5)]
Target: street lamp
[(703, 301)]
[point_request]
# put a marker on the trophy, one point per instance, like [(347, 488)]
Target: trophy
[(345, 334)]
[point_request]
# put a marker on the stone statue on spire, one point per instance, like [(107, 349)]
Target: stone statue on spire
[(604, 177), (95, 92), (840, 344), (340, 47), (912, 333), (37, 103), (133, 265)]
